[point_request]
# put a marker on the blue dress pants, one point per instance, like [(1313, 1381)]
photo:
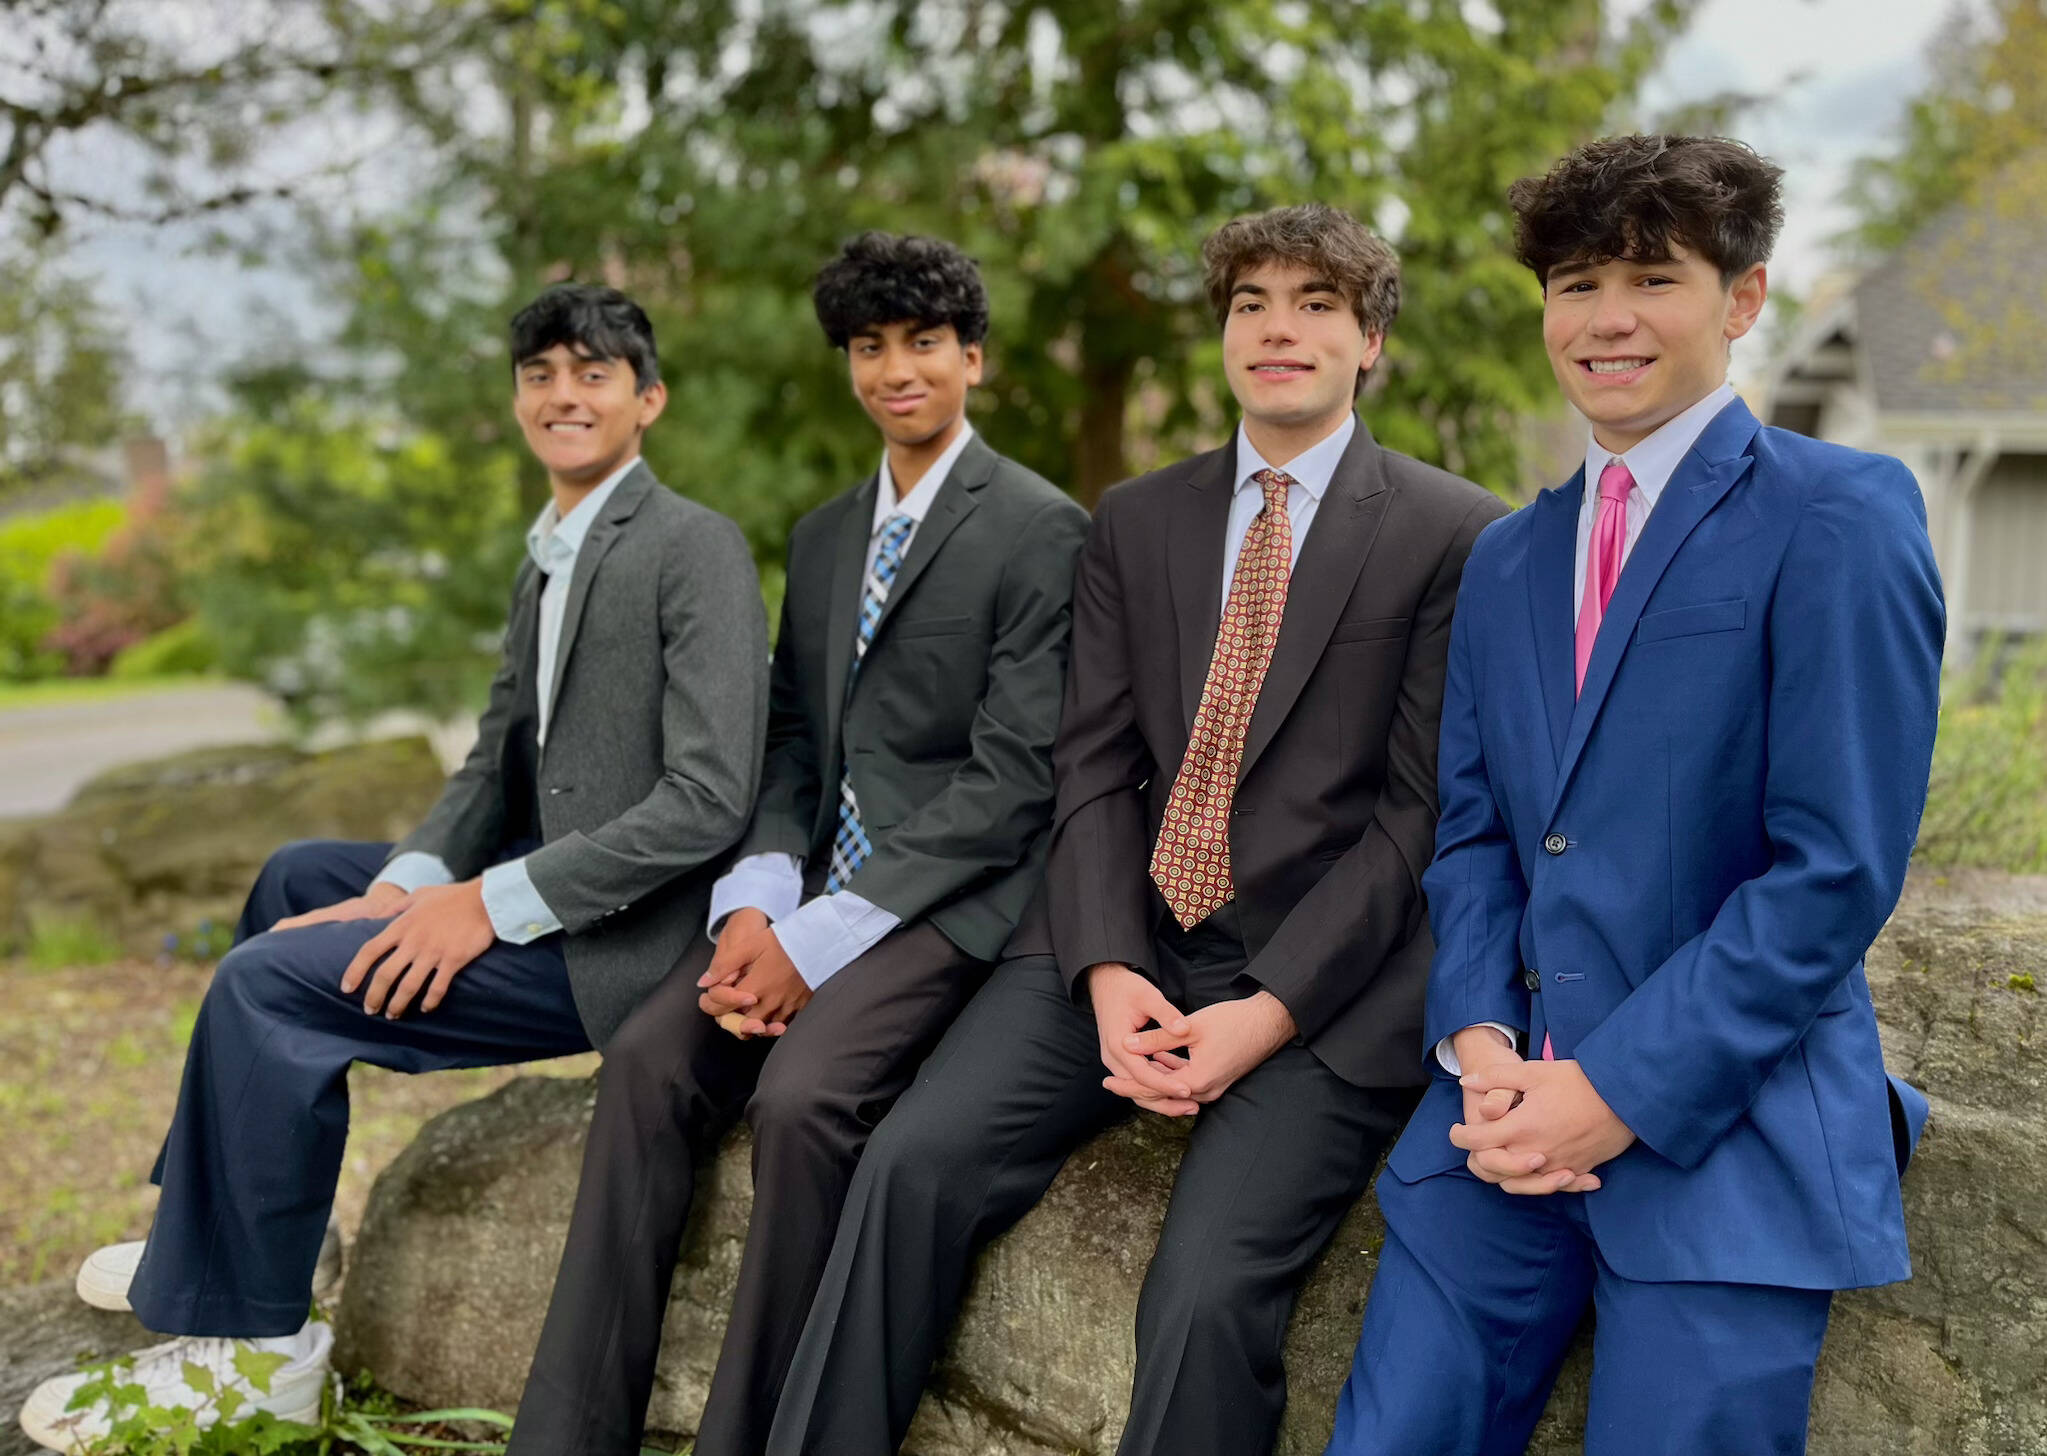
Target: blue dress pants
[(1477, 1296), (249, 1166)]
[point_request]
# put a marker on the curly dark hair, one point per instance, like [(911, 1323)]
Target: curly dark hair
[(891, 278), (1639, 197), (1312, 235), (595, 322)]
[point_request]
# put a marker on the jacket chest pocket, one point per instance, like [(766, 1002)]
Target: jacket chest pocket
[(1693, 621), (907, 627), (923, 681), (1369, 629)]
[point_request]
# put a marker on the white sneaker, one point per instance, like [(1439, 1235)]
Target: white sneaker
[(295, 1389), (104, 1277)]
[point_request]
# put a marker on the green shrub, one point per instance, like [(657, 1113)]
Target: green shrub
[(30, 545), (59, 944), (127, 591), (180, 651), (1986, 804), (349, 566)]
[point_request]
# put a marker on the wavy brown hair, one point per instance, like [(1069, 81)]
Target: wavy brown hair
[(1325, 240), (1639, 197)]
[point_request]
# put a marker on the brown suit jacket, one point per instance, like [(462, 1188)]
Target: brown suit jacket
[(1334, 818)]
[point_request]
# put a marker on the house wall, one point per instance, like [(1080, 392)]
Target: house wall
[(2008, 547)]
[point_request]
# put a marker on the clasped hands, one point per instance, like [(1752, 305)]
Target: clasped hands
[(1185, 1060), (1531, 1127), (434, 932), (751, 985)]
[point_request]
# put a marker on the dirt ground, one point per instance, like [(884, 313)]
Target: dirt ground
[(89, 1066)]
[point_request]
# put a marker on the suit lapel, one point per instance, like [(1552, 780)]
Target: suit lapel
[(1703, 477), (1194, 567), (954, 503), (1339, 539), (1552, 558), (625, 499), (520, 633), (842, 608)]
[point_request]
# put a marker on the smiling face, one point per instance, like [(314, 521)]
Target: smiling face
[(1292, 351), (1634, 344), (582, 417), (912, 379)]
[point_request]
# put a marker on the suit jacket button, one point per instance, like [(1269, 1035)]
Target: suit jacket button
[(1531, 978), (1556, 844)]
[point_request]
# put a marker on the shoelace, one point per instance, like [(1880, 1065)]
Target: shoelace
[(171, 1357)]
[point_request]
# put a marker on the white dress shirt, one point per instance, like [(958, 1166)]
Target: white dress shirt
[(1651, 462), (1311, 471), (554, 542), (825, 936)]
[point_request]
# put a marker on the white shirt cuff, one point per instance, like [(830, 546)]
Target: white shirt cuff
[(771, 883), (517, 913), (1447, 1055), (830, 933), (415, 870)]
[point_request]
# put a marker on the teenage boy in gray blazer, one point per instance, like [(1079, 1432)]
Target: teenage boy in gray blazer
[(564, 868), (900, 832)]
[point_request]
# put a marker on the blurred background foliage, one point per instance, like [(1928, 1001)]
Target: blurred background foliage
[(353, 518), (345, 529)]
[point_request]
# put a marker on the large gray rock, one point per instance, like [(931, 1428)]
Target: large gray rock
[(45, 1330), (451, 1275), (158, 848)]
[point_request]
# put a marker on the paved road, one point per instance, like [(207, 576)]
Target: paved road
[(46, 752)]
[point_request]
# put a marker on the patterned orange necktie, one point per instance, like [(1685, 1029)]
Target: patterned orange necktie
[(1191, 861)]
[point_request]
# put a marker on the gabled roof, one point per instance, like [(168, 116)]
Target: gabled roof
[(1955, 321)]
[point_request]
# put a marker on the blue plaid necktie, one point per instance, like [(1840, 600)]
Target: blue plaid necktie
[(850, 845)]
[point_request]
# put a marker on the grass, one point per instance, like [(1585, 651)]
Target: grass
[(90, 1060), (56, 945), (1986, 806), (60, 692), (89, 1066)]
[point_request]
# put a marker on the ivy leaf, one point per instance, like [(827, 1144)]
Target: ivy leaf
[(201, 1379), (258, 1366)]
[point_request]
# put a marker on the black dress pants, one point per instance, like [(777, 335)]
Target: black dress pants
[(254, 1150), (1270, 1169), (672, 1083)]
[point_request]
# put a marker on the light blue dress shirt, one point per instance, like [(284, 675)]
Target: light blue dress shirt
[(1311, 471), (829, 933), (517, 912)]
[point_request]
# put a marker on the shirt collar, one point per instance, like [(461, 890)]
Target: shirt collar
[(1312, 469), (554, 540), (917, 504), (1654, 460)]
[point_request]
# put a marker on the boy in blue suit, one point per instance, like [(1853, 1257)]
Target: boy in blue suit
[(1686, 729)]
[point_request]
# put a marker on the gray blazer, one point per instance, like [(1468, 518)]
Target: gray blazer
[(950, 723), (653, 749)]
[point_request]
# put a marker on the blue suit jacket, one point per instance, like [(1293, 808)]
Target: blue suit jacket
[(1691, 857)]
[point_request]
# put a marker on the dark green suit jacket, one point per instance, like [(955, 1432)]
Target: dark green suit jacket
[(950, 722)]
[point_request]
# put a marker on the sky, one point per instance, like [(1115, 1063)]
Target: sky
[(1833, 77)]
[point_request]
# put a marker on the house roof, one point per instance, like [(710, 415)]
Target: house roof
[(1955, 321)]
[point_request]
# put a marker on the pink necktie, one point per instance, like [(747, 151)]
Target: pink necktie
[(1603, 562), (1602, 569)]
